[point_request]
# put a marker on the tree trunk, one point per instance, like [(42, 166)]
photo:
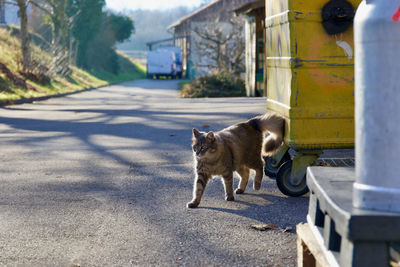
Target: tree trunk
[(60, 63), (26, 54)]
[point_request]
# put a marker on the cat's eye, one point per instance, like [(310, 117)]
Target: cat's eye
[(199, 148)]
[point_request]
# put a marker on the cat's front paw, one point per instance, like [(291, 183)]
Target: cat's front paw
[(239, 191), (257, 185), (192, 204), (229, 198)]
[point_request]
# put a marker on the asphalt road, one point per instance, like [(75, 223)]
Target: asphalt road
[(102, 178)]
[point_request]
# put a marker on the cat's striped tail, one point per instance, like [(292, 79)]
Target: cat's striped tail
[(274, 124)]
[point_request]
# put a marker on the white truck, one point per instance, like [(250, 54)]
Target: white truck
[(178, 58), (161, 63)]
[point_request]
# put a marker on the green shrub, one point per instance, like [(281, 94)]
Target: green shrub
[(214, 85)]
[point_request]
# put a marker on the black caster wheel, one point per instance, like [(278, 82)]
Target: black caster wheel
[(286, 185), (272, 166)]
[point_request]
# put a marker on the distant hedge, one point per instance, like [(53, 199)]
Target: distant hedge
[(215, 85)]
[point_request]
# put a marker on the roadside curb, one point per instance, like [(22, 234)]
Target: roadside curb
[(24, 100)]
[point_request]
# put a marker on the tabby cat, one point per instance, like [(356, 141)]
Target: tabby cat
[(236, 148)]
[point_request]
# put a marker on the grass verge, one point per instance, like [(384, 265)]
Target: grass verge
[(14, 85)]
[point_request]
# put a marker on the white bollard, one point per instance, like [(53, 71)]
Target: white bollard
[(377, 96)]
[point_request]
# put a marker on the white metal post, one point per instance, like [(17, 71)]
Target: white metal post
[(377, 93)]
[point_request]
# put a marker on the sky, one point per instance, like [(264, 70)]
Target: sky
[(120, 5)]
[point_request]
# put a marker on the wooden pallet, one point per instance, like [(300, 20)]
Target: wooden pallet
[(309, 251), (344, 235)]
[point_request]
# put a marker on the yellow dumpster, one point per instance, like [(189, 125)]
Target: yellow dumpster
[(310, 72)]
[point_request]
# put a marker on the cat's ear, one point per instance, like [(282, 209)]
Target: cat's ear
[(211, 137), (196, 132)]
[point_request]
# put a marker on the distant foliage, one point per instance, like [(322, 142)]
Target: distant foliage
[(74, 28), (102, 54), (86, 26), (150, 25), (215, 85)]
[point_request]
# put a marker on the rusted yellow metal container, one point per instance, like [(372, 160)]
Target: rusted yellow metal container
[(310, 70)]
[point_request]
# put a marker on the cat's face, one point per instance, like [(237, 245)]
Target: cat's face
[(203, 143)]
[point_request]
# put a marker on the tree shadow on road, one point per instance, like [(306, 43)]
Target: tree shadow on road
[(160, 129)]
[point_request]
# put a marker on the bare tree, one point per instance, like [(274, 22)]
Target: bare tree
[(221, 45), (25, 43), (25, 46), (60, 24)]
